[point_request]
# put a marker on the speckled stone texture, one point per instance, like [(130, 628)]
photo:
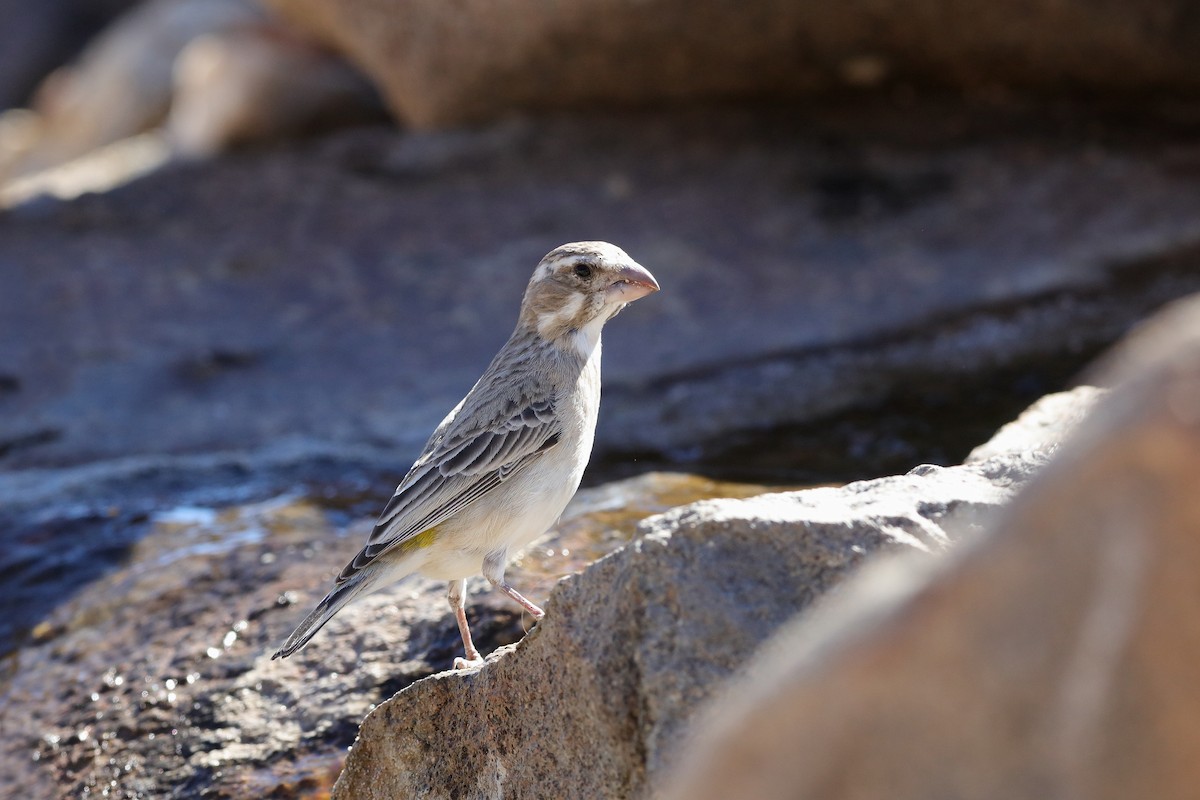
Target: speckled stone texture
[(593, 702), (1056, 659), (153, 677), (1044, 426)]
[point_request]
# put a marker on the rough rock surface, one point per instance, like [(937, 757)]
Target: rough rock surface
[(1053, 660), (1043, 426), (153, 678), (440, 63), (595, 699), (350, 290)]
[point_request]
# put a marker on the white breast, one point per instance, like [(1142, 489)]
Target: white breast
[(524, 508)]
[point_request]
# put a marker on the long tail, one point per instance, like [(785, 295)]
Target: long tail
[(362, 583)]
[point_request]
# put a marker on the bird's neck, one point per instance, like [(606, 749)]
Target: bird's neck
[(577, 341), (585, 340)]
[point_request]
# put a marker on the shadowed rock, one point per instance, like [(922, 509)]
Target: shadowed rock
[(348, 292), (444, 64)]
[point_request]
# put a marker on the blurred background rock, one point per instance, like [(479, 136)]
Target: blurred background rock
[(38, 40), (250, 254)]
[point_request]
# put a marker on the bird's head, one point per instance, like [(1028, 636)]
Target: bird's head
[(578, 287)]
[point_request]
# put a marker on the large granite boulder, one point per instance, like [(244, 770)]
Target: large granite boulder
[(1052, 659), (596, 699), (441, 63)]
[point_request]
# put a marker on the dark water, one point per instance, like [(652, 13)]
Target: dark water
[(939, 423)]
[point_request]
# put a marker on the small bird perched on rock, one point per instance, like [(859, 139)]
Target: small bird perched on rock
[(501, 467)]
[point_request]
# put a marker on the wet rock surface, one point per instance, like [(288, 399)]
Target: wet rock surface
[(346, 292), (632, 648), (1049, 660), (154, 677)]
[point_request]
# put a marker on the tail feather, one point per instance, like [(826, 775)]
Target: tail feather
[(332, 604)]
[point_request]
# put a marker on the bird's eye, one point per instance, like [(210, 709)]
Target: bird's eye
[(583, 271)]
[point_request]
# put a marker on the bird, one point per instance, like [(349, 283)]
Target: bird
[(500, 468)]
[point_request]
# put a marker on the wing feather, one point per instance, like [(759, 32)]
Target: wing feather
[(482, 448), (456, 470)]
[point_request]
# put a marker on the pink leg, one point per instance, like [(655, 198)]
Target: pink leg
[(493, 570), (457, 597)]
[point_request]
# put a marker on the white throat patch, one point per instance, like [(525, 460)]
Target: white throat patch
[(587, 338)]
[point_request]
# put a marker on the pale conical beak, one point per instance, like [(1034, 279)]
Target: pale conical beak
[(633, 281)]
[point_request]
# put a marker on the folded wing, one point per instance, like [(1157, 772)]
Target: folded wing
[(457, 471)]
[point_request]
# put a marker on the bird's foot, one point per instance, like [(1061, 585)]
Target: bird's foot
[(468, 663)]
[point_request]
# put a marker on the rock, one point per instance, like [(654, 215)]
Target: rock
[(39, 37), (1050, 660), (100, 170), (330, 292), (152, 675), (1043, 426), (121, 84), (261, 84), (593, 702), (214, 75), (444, 65)]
